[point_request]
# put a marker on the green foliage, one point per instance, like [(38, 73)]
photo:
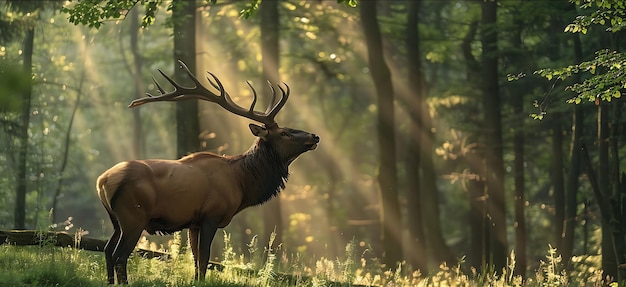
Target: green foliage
[(349, 3), (250, 9), (610, 13), (93, 13), (13, 83), (606, 77)]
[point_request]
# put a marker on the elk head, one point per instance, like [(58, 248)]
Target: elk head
[(288, 142)]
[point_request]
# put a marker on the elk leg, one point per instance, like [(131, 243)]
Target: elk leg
[(109, 248), (207, 232), (128, 240), (193, 244)]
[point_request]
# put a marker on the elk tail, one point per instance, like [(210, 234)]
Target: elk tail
[(109, 183)]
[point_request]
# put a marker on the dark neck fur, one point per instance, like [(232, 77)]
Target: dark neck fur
[(264, 174)]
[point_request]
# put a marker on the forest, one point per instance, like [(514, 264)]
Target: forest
[(481, 132)]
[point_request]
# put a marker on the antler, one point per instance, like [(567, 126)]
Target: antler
[(199, 92)]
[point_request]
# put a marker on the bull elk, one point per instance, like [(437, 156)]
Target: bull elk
[(201, 191)]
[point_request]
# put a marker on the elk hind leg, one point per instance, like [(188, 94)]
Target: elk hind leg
[(109, 248), (207, 232), (124, 248), (131, 228)]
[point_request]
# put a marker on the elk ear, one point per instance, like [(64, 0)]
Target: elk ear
[(258, 131)]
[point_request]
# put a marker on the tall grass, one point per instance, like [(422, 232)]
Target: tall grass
[(47, 265)]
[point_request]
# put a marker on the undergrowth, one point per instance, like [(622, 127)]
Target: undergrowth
[(46, 265)]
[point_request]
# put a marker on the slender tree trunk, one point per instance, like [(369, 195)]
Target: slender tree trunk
[(417, 244), (138, 144), (617, 198), (493, 137), (520, 188), (572, 182), (609, 264), (477, 214), (66, 146), (519, 200), (391, 233), (187, 125), (557, 180), (22, 177), (270, 24), (429, 191)]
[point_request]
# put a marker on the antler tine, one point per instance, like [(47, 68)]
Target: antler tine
[(281, 103), (273, 102), (161, 90), (254, 97), (200, 92)]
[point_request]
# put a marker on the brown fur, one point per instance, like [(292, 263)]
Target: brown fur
[(201, 191)]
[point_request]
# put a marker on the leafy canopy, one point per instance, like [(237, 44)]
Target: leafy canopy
[(605, 76), (93, 13)]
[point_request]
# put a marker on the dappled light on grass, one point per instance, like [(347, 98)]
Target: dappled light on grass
[(54, 266)]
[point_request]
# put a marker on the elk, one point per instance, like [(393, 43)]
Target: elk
[(201, 191)]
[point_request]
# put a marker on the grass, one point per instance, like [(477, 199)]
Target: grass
[(53, 266)]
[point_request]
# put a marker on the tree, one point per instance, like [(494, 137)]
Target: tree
[(270, 24), (493, 137), (387, 170), (184, 28), (603, 87), (417, 90), (26, 96)]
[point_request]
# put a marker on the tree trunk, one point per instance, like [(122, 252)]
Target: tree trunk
[(187, 125), (416, 249), (66, 146), (493, 138), (477, 215), (617, 198), (519, 200), (609, 263), (270, 24), (557, 180), (520, 188), (138, 144), (572, 183), (391, 232), (22, 177)]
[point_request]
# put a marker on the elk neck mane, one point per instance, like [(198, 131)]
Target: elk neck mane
[(263, 173)]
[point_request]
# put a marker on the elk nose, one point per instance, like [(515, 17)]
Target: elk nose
[(316, 137)]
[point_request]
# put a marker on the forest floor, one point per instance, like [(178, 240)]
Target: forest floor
[(57, 266)]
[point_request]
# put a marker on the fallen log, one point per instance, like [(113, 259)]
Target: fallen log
[(64, 239)]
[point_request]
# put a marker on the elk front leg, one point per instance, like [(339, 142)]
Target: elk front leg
[(194, 233), (207, 232)]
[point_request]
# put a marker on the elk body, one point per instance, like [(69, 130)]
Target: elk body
[(201, 191)]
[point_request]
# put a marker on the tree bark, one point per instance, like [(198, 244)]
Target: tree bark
[(22, 176), (187, 125), (558, 180), (572, 182), (140, 91), (493, 138), (270, 24), (609, 263), (417, 244), (477, 214), (518, 165), (391, 233)]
